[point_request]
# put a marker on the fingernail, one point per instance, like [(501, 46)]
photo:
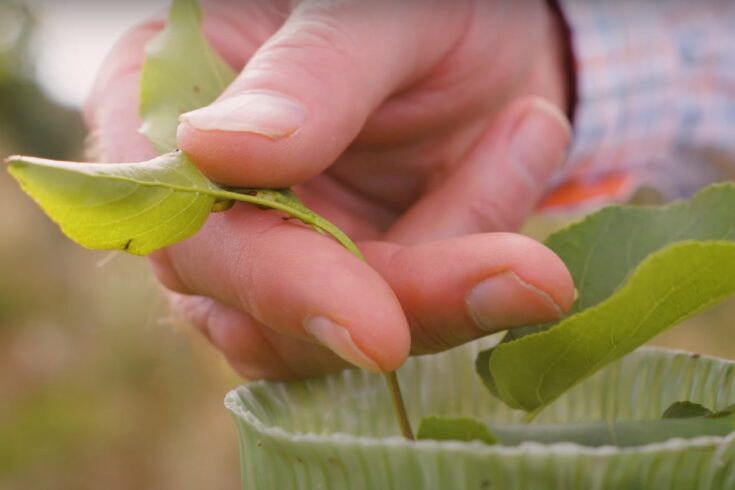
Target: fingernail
[(540, 140), (261, 112), (338, 339), (505, 300)]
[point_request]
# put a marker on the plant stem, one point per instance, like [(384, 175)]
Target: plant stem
[(285, 200), (400, 409)]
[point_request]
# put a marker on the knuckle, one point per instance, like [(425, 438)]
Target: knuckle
[(427, 340), (315, 46)]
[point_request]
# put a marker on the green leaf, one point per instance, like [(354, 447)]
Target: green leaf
[(141, 207), (686, 410), (181, 72), (639, 271), (454, 429), (134, 207)]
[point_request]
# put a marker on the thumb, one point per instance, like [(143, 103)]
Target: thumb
[(499, 183), (306, 93)]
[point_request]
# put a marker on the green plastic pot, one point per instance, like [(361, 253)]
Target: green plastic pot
[(338, 432)]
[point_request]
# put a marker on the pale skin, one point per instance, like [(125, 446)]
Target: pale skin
[(426, 130)]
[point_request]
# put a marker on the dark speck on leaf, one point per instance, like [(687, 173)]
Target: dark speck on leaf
[(196, 89), (127, 244), (485, 484)]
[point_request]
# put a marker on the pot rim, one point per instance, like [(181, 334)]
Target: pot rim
[(476, 448)]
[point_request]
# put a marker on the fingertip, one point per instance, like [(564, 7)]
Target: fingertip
[(506, 300), (245, 159), (545, 106), (392, 349), (362, 322), (538, 143), (459, 289), (339, 340), (544, 269), (538, 266)]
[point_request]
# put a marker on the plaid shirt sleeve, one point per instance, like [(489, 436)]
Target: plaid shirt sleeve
[(655, 99)]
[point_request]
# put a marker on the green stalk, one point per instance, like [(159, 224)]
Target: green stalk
[(398, 406)]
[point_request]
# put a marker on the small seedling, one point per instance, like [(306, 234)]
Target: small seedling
[(638, 270)]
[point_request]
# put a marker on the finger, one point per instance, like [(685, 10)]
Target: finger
[(463, 288), (308, 91), (500, 182), (111, 110), (254, 350), (298, 282)]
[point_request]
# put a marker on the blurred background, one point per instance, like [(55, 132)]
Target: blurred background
[(99, 388)]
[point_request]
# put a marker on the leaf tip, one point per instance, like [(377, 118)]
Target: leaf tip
[(13, 160), (15, 165)]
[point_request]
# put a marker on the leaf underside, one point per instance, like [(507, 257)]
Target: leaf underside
[(639, 271), (181, 72), (137, 208)]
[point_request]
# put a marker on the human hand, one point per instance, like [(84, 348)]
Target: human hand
[(417, 127)]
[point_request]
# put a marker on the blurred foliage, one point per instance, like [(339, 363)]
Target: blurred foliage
[(17, 24), (98, 389), (29, 121)]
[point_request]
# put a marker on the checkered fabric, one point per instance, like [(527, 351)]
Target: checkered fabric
[(655, 99)]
